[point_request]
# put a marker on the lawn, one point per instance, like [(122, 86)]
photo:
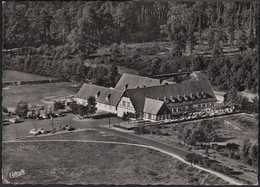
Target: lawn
[(95, 163), (36, 92), (10, 75)]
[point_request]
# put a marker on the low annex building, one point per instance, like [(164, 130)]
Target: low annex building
[(151, 99), (107, 98)]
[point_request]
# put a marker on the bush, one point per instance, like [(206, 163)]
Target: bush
[(22, 109), (141, 130), (59, 105)]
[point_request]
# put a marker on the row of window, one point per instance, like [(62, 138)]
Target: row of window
[(199, 106), (158, 117)]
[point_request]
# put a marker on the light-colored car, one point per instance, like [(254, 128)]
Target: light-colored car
[(41, 131), (13, 120), (44, 116), (34, 131)]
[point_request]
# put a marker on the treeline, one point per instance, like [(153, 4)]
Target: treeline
[(68, 69), (226, 72)]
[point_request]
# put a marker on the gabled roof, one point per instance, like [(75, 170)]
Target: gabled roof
[(134, 81), (137, 96), (88, 90), (154, 106)]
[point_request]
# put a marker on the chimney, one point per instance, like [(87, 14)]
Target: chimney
[(185, 97), (164, 98), (172, 98)]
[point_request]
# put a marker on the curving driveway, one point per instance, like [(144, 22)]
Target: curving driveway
[(169, 152)]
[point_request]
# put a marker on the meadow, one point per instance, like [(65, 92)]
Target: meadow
[(96, 163), (34, 93), (10, 75)]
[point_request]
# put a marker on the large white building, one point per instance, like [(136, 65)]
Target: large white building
[(150, 98)]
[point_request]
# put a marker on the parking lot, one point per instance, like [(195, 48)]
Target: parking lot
[(21, 129)]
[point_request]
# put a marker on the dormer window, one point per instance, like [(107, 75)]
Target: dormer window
[(204, 95), (98, 94), (108, 97), (179, 98), (185, 97), (198, 95), (192, 96)]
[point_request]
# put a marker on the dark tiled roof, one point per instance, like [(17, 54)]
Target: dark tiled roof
[(172, 91), (134, 81), (88, 90)]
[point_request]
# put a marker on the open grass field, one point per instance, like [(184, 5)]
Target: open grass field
[(96, 163), (10, 75), (36, 92)]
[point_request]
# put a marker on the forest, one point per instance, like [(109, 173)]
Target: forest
[(57, 39)]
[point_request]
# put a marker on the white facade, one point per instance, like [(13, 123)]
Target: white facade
[(124, 106), (100, 106), (107, 108)]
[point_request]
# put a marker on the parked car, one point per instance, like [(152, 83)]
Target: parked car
[(39, 118), (44, 116), (53, 115), (41, 131), (37, 131), (14, 119), (80, 117), (34, 131), (68, 128)]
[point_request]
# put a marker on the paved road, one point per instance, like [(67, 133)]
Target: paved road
[(143, 140)]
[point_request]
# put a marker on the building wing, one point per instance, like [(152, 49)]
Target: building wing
[(102, 94), (189, 92), (129, 81)]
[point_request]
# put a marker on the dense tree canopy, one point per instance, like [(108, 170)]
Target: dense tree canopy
[(82, 23), (56, 38)]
